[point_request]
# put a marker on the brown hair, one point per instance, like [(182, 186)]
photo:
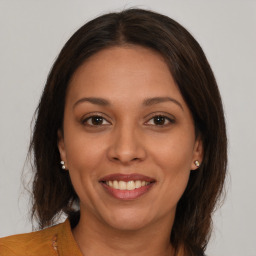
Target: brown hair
[(53, 192)]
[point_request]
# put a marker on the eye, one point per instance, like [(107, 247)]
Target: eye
[(160, 120), (95, 120)]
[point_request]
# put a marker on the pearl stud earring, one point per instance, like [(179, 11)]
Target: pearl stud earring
[(63, 165), (197, 163)]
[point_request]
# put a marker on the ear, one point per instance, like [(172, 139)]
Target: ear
[(197, 154), (61, 147)]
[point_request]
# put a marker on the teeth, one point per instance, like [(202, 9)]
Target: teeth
[(122, 185), (130, 185), (137, 184), (115, 184)]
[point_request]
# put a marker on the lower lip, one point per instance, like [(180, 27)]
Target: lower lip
[(127, 194)]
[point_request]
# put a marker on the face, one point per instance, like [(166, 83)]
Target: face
[(129, 140)]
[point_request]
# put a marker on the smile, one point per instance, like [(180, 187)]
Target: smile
[(130, 185), (127, 187)]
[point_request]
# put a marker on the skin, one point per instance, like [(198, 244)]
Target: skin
[(127, 141)]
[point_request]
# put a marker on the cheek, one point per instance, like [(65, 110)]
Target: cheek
[(84, 157), (174, 153), (173, 158), (174, 164)]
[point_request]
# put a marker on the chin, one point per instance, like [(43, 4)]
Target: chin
[(129, 220), (128, 224)]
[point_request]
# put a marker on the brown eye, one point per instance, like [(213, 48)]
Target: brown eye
[(160, 120), (95, 121)]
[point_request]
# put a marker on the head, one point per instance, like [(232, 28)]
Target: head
[(164, 39)]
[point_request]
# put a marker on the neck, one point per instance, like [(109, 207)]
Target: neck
[(96, 238)]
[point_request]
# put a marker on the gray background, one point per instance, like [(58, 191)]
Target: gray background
[(33, 32)]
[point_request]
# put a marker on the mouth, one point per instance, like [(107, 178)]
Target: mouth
[(127, 187)]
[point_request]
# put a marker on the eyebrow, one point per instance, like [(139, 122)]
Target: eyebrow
[(96, 101), (156, 100), (146, 102)]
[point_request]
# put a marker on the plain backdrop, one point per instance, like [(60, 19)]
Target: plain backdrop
[(32, 34)]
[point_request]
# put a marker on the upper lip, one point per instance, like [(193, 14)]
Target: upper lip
[(126, 177)]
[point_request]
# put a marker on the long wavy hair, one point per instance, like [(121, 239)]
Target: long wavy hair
[(53, 192)]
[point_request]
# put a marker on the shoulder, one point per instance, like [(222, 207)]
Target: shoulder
[(38, 243)]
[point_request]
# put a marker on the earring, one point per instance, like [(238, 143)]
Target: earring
[(63, 165), (197, 163)]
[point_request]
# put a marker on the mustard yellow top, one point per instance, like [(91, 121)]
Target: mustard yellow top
[(54, 241)]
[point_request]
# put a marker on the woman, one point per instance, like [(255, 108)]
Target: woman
[(129, 142)]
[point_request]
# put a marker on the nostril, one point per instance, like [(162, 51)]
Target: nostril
[(126, 155), (134, 159)]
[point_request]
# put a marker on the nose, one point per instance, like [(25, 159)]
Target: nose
[(126, 146)]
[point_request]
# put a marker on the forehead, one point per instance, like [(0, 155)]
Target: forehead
[(124, 72)]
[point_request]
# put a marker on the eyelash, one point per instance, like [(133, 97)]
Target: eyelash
[(169, 119), (90, 117)]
